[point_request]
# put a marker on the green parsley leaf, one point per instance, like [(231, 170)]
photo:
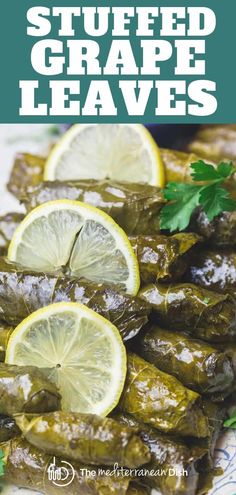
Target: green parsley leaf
[(176, 215), (226, 169), (2, 462), (214, 199), (184, 197), (176, 190), (204, 172), (231, 422)]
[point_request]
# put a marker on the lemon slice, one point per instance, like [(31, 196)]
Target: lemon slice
[(84, 350), (78, 239), (123, 152)]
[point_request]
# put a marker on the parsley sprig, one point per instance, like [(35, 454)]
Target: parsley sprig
[(2, 462), (231, 422), (184, 197)]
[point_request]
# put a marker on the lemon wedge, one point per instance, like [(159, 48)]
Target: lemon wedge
[(122, 152), (78, 239), (84, 351)]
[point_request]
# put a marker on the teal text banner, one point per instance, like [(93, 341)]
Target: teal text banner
[(118, 61)]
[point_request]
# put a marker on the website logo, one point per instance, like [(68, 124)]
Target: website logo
[(60, 475)]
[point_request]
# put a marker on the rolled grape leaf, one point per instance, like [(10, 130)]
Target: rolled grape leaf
[(215, 270), (177, 165), (163, 258), (25, 389), (134, 207), (159, 256), (220, 232), (29, 467), (216, 413), (229, 348), (215, 142), (23, 292), (8, 225), (195, 363), (85, 438), (202, 313), (170, 456), (27, 171), (161, 401)]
